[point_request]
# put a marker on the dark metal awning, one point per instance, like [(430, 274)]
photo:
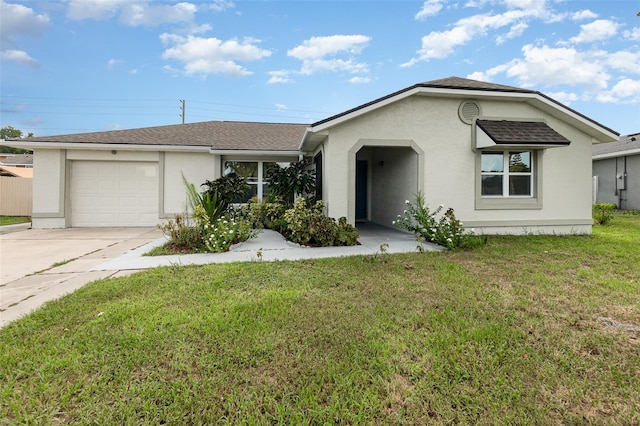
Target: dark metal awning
[(517, 134)]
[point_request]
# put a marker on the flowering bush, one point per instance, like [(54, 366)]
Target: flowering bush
[(442, 229), (225, 231)]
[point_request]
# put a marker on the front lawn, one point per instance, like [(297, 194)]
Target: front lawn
[(525, 330), (13, 220)]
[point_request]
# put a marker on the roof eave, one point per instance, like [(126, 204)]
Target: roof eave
[(105, 146), (616, 154), (256, 152)]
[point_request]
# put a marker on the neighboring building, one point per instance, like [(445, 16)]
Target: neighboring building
[(616, 172), (16, 160), (508, 160)]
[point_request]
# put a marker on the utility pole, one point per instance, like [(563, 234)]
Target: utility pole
[(183, 108)]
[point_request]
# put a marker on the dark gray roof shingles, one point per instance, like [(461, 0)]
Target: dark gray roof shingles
[(228, 135), (624, 144), (504, 132)]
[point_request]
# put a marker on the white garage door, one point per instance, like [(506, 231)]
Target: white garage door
[(111, 193)]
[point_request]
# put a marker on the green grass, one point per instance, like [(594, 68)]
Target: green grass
[(506, 334), (12, 220)]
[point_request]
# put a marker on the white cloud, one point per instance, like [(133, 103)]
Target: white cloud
[(548, 66), (20, 21), (131, 12), (624, 91), (221, 5), (429, 8), (516, 31), (212, 56), (591, 70), (111, 63), (281, 107), (360, 80), (564, 97), (624, 61), (315, 51), (318, 47), (94, 9), (441, 44), (600, 29), (584, 14), (632, 34), (281, 76), (19, 56), (135, 14)]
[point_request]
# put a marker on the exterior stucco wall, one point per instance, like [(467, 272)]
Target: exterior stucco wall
[(632, 193), (52, 171), (608, 192), (449, 173), (394, 179), (196, 167), (49, 181)]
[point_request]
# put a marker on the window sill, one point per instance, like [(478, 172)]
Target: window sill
[(505, 203)]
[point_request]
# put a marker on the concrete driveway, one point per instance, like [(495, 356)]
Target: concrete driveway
[(38, 265)]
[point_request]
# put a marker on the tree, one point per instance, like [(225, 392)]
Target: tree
[(10, 132)]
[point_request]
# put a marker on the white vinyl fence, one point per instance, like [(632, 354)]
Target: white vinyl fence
[(15, 196)]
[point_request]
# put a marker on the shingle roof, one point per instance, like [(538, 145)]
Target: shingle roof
[(18, 159), (624, 144), (216, 134), (466, 83), (504, 132)]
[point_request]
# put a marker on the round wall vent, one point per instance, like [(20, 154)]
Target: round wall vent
[(468, 110)]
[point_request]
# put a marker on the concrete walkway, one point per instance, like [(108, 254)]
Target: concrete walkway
[(42, 265), (271, 246)]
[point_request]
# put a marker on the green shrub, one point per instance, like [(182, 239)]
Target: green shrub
[(183, 236), (295, 179), (603, 213), (442, 229), (309, 226), (210, 202), (227, 189)]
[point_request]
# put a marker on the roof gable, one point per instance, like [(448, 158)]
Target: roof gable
[(467, 88)]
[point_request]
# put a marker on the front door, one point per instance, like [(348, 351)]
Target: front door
[(361, 190)]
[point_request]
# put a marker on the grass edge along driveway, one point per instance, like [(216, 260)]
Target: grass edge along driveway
[(507, 334)]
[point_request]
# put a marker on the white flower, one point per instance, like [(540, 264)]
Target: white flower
[(407, 202), (405, 212), (393, 222), (473, 229)]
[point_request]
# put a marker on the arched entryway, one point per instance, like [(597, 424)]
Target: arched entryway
[(385, 176)]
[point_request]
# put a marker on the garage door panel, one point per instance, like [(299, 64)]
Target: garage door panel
[(114, 193)]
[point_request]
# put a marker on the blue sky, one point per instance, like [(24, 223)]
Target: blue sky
[(90, 65)]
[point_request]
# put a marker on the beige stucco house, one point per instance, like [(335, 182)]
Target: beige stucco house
[(508, 160)]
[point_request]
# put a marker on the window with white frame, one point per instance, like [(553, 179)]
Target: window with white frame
[(507, 174), (255, 172)]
